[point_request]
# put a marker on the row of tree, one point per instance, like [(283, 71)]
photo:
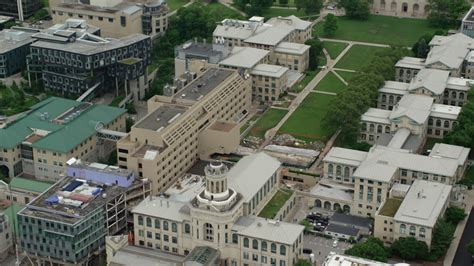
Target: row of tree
[(409, 248), (463, 133), (361, 94)]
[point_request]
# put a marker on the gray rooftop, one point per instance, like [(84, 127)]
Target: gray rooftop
[(13, 39), (291, 48), (449, 50), (345, 156), (269, 35), (269, 70), (415, 107), (376, 115), (68, 213), (202, 256), (161, 117), (399, 138), (244, 57), (458, 153), (198, 50), (411, 62), (204, 84), (395, 87), (424, 203), (135, 255), (434, 80), (163, 208), (292, 21), (351, 219), (257, 227), (376, 170), (251, 173), (445, 111), (335, 193)]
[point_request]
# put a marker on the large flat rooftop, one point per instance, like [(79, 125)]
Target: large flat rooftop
[(13, 39), (204, 84), (161, 117), (70, 200)]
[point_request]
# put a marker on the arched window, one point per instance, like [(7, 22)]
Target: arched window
[(398, 98), (390, 99), (174, 227), (364, 126), (379, 129), (264, 246), (338, 171), (140, 220), (438, 122), (416, 7), (282, 250), (274, 248), (372, 128), (430, 121), (454, 95), (412, 230), (346, 172), (387, 129), (404, 7), (382, 4), (401, 70), (208, 232), (446, 94), (157, 223), (446, 124), (422, 232), (187, 228), (255, 244), (246, 242), (148, 222), (403, 228), (330, 170), (461, 95), (384, 98), (165, 225), (235, 238), (317, 203), (393, 6)]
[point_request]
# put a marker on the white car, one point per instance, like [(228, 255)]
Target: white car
[(334, 244)]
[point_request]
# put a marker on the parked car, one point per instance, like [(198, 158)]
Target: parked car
[(334, 244)]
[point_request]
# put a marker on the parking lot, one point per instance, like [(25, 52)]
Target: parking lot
[(322, 246)]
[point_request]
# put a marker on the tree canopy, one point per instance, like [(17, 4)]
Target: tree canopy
[(470, 247), (454, 215), (371, 249), (355, 9), (254, 7), (309, 6), (330, 25), (315, 50), (446, 13), (463, 133), (409, 248)]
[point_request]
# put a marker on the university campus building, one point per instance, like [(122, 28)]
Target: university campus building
[(40, 142), (218, 211), (199, 120), (116, 18)]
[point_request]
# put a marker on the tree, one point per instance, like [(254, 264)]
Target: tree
[(283, 2), (129, 123), (446, 13), (409, 248), (442, 237), (309, 6), (303, 263), (470, 247), (355, 9), (463, 133), (371, 249), (330, 25), (454, 215), (315, 50)]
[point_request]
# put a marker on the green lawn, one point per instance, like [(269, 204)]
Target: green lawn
[(330, 83), (306, 122), (346, 75), (302, 84), (380, 29), (358, 56), (175, 4), (275, 204), (268, 120), (334, 48), (390, 207), (275, 12)]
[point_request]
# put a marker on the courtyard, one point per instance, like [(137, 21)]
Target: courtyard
[(358, 56)]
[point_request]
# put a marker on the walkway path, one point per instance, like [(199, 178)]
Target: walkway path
[(186, 5), (339, 77), (325, 92), (305, 92), (228, 3), (356, 42)]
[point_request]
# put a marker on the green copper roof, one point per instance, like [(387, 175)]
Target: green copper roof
[(61, 137), (30, 184), (11, 212)]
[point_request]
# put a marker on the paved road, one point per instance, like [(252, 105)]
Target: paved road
[(322, 246), (462, 257)]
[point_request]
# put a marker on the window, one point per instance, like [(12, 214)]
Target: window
[(165, 225), (157, 236), (187, 228), (157, 223), (246, 242), (274, 248), (255, 257), (282, 250), (422, 232), (255, 244), (140, 220), (282, 263), (123, 21), (149, 235), (141, 233), (412, 230), (235, 239), (402, 229), (174, 227), (330, 170), (208, 232), (264, 246), (148, 222)]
